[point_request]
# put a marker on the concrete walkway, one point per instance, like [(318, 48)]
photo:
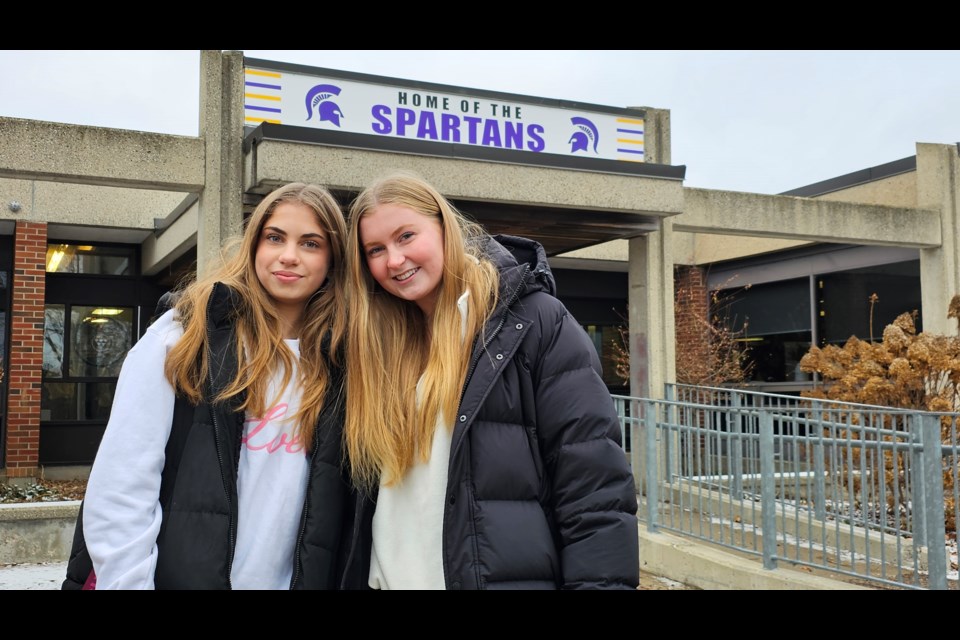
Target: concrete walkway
[(47, 576), (707, 567), (690, 565), (34, 539)]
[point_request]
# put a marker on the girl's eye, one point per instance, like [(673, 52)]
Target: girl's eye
[(273, 237), (372, 251), (406, 235), (311, 244)]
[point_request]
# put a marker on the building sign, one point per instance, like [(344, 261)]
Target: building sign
[(447, 116)]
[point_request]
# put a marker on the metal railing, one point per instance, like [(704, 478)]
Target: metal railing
[(865, 492)]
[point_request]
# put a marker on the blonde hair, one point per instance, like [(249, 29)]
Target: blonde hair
[(389, 343), (259, 347)]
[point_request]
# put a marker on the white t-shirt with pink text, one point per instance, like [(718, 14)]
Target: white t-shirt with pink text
[(272, 485)]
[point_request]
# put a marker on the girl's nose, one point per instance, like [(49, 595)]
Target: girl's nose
[(395, 259), (290, 254)]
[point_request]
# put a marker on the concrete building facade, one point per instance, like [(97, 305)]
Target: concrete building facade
[(95, 224)]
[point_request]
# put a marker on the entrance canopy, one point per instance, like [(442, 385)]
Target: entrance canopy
[(563, 203)]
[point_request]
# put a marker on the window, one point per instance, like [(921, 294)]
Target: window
[(69, 401), (83, 350), (774, 323), (101, 337), (780, 320), (605, 339), (95, 310), (843, 300), (89, 259)]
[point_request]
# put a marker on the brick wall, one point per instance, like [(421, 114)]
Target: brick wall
[(26, 350), (690, 314)]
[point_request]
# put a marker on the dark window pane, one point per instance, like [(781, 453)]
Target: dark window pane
[(776, 357), (89, 259), (53, 341), (67, 401), (3, 317), (99, 341), (67, 443), (844, 299), (771, 308), (605, 339)]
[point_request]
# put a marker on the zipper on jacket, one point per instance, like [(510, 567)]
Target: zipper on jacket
[(473, 367), (216, 437), (490, 338), (354, 541), (306, 505)]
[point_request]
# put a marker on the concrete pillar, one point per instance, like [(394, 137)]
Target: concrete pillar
[(652, 339), (656, 136), (650, 300), (652, 332), (938, 188), (221, 128), (24, 375)]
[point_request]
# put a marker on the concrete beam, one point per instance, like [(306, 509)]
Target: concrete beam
[(159, 252), (709, 248), (895, 191), (788, 217), (84, 204), (279, 162), (31, 149), (614, 252), (688, 248)]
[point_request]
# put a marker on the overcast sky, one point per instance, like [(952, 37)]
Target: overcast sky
[(758, 121)]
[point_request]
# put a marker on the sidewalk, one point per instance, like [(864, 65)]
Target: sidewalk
[(47, 576)]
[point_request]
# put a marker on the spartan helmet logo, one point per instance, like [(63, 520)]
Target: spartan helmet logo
[(319, 98), (580, 140)]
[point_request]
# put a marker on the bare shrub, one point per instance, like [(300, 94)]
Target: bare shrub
[(905, 370)]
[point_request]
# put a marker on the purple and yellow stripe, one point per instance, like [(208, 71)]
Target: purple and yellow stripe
[(630, 139), (262, 96)]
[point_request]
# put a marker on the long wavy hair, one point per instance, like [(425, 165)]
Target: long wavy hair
[(390, 345), (259, 347)]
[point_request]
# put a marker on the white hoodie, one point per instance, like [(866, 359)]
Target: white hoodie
[(121, 513)]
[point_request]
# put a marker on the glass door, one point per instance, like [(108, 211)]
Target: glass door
[(91, 320)]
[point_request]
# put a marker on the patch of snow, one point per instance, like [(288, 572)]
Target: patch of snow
[(46, 576), (673, 584)]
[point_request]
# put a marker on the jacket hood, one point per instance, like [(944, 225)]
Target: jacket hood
[(222, 306), (522, 264)]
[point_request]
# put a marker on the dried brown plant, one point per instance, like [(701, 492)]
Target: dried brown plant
[(905, 370)]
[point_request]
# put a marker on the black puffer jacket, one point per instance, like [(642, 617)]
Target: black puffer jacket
[(198, 492), (539, 494)]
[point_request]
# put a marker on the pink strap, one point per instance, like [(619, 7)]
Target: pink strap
[(91, 583)]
